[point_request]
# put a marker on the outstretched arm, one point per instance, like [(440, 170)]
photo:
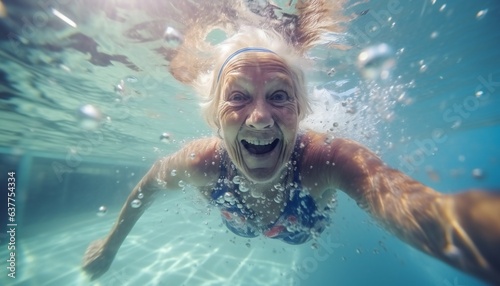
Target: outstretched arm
[(193, 164), (461, 229), (100, 253)]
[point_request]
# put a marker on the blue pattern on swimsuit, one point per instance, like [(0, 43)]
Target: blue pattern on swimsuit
[(298, 222)]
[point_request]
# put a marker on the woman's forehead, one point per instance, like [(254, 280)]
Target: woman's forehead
[(243, 78), (268, 67)]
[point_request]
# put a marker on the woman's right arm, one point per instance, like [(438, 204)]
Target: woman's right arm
[(196, 164)]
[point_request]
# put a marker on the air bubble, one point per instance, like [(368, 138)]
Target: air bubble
[(131, 79), (172, 37), (376, 62), (136, 203), (165, 137), (192, 156), (237, 180), (102, 211), (438, 133), (331, 72), (90, 117), (229, 197), (477, 173), (480, 15), (243, 187), (256, 194), (456, 124), (173, 173), (452, 252), (120, 88), (140, 196), (278, 198), (279, 187), (182, 184)]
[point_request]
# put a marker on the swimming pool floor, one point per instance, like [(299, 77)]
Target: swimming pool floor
[(178, 242), (166, 247)]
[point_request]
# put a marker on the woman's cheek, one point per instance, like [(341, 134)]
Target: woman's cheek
[(290, 115)]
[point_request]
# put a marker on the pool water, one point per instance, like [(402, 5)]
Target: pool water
[(86, 97)]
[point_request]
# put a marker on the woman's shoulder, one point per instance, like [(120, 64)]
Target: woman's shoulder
[(200, 158), (202, 151), (205, 143), (320, 156)]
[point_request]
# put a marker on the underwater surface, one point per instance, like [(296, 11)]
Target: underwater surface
[(87, 105)]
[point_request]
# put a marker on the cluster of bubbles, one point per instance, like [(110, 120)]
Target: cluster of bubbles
[(360, 108), (122, 88), (90, 117), (137, 203)]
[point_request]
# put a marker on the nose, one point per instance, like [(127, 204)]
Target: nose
[(260, 117)]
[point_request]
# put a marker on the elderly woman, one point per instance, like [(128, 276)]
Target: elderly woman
[(269, 178)]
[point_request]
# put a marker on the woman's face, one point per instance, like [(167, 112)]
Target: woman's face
[(258, 115)]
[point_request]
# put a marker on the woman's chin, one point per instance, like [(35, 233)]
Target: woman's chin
[(261, 175)]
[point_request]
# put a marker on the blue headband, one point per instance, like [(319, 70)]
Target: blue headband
[(240, 51)]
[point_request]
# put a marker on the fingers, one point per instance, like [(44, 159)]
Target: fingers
[(95, 261)]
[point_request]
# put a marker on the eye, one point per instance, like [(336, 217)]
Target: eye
[(278, 97), (237, 98)]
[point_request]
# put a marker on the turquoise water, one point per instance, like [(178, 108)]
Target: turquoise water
[(435, 117)]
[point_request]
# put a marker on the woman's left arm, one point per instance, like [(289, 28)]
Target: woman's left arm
[(461, 229)]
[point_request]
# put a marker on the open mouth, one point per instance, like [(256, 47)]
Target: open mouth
[(259, 147)]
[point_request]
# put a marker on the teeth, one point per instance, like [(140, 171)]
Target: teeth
[(259, 141)]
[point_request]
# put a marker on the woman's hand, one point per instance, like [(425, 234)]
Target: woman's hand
[(97, 259)]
